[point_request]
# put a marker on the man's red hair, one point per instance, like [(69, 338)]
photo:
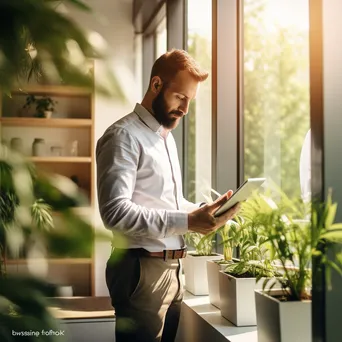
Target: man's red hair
[(171, 62)]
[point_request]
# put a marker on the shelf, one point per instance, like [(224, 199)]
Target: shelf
[(60, 159), (51, 261), (42, 122), (81, 211), (52, 90)]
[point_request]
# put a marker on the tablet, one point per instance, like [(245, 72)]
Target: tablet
[(241, 194)]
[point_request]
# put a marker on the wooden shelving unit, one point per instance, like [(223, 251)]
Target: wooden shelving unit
[(81, 211), (52, 90), (41, 122), (63, 261), (61, 159), (74, 121)]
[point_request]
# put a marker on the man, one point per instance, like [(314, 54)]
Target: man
[(140, 196)]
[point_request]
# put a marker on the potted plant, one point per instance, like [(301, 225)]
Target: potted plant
[(39, 211), (238, 280), (44, 106), (195, 269), (230, 235), (285, 314)]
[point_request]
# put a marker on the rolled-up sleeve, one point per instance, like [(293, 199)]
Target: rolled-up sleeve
[(117, 158)]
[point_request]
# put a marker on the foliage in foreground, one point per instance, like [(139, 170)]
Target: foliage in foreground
[(37, 40), (26, 203), (295, 240)]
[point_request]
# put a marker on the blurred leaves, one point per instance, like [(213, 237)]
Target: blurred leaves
[(27, 202), (59, 192), (23, 307), (36, 39), (41, 215), (73, 238)]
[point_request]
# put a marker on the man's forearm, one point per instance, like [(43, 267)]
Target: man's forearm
[(135, 220)]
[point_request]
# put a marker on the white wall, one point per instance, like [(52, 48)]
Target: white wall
[(113, 20)]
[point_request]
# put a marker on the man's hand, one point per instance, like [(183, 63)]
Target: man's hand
[(202, 220)]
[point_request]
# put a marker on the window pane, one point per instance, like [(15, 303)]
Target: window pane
[(161, 39), (198, 144), (275, 89)]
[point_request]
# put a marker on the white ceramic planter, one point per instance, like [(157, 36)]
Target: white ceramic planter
[(213, 269), (282, 321), (65, 291), (47, 114), (238, 299), (195, 272)]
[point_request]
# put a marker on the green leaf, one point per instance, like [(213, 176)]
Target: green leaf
[(336, 226), (334, 266), (80, 4), (330, 215), (334, 235), (316, 253), (251, 249)]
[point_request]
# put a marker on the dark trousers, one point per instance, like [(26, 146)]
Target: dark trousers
[(146, 294)]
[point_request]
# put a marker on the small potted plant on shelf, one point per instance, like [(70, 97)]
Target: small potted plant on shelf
[(40, 213), (44, 106), (238, 280), (195, 269), (284, 314)]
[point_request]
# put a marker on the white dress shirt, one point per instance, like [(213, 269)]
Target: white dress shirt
[(139, 183)]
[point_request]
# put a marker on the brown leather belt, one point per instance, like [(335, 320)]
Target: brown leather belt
[(166, 254)]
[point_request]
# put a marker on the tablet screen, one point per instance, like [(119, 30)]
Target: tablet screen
[(241, 194)]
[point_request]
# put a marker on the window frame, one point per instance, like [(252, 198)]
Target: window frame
[(225, 98), (149, 42)]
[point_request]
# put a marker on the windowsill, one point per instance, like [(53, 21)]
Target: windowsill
[(212, 315), (88, 309)]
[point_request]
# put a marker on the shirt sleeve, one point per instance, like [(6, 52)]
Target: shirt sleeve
[(117, 158), (190, 206)]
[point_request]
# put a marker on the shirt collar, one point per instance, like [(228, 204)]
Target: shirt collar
[(148, 118)]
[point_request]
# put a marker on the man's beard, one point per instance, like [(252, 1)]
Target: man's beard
[(160, 111)]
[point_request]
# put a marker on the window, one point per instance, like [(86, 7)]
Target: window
[(160, 39), (198, 141), (276, 113)]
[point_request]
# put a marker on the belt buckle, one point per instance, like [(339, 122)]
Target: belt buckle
[(176, 254), (182, 253), (166, 254)]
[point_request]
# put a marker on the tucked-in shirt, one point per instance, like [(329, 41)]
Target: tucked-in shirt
[(139, 184)]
